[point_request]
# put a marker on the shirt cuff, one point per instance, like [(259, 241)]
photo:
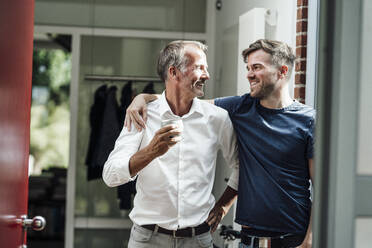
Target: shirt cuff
[(116, 172), (234, 179), (126, 171)]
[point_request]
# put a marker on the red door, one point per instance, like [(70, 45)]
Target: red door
[(16, 42)]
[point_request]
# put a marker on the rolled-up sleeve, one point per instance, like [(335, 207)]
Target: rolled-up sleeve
[(230, 151), (116, 168)]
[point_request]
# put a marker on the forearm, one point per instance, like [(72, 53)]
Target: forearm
[(227, 199), (309, 233), (310, 227), (140, 160), (307, 243), (149, 97)]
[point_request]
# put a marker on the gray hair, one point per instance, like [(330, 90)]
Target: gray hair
[(174, 55), (281, 53)]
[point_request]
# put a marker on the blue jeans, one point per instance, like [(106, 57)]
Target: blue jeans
[(143, 238)]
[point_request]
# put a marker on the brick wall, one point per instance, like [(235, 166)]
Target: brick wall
[(301, 39)]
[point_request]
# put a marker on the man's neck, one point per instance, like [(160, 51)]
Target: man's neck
[(278, 99), (178, 103)]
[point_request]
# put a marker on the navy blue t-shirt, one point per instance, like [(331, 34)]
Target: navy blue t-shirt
[(274, 148)]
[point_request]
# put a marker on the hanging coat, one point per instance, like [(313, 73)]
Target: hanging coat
[(95, 120), (107, 135)]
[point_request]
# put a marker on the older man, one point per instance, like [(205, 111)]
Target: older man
[(175, 166), (275, 139)]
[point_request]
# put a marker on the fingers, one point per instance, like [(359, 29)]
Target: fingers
[(214, 227), (169, 134), (169, 130), (172, 142), (144, 114), (165, 138), (165, 129), (214, 219), (211, 220), (137, 120), (134, 112), (134, 116), (210, 217), (213, 223), (127, 122), (171, 137)]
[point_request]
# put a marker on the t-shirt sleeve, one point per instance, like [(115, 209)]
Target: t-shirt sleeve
[(229, 103)]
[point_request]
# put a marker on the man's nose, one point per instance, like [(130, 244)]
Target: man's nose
[(206, 74), (250, 75)]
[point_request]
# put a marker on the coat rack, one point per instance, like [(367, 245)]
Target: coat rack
[(91, 77)]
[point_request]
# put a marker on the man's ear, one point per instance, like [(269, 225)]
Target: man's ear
[(283, 71), (172, 71)]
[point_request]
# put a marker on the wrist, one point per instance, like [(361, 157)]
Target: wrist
[(149, 97), (221, 206)]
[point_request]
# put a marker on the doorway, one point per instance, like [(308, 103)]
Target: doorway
[(49, 136)]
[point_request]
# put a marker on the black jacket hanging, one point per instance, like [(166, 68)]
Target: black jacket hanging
[(125, 100), (107, 135), (149, 88), (95, 120)]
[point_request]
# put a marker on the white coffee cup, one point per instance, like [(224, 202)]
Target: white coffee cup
[(177, 123)]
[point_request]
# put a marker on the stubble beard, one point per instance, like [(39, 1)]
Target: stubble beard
[(263, 92)]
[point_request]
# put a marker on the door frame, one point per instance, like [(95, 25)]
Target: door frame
[(337, 185)]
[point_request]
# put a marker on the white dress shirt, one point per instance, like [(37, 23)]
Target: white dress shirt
[(174, 190)]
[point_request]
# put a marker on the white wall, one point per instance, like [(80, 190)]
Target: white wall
[(365, 117), (363, 224), (227, 20)]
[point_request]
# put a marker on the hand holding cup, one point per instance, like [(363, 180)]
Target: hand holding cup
[(178, 126)]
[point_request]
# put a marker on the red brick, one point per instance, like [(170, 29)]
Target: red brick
[(301, 26), (301, 65), (299, 92), (302, 3), (301, 13), (301, 52), (301, 40), (300, 78)]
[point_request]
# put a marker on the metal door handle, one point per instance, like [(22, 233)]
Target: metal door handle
[(37, 223)]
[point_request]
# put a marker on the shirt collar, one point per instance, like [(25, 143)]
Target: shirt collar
[(165, 110)]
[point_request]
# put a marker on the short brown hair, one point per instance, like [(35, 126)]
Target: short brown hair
[(281, 53), (173, 55)]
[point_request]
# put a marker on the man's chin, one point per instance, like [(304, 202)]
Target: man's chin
[(256, 95), (200, 95)]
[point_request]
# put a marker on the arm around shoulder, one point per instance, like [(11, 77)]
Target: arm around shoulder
[(136, 112)]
